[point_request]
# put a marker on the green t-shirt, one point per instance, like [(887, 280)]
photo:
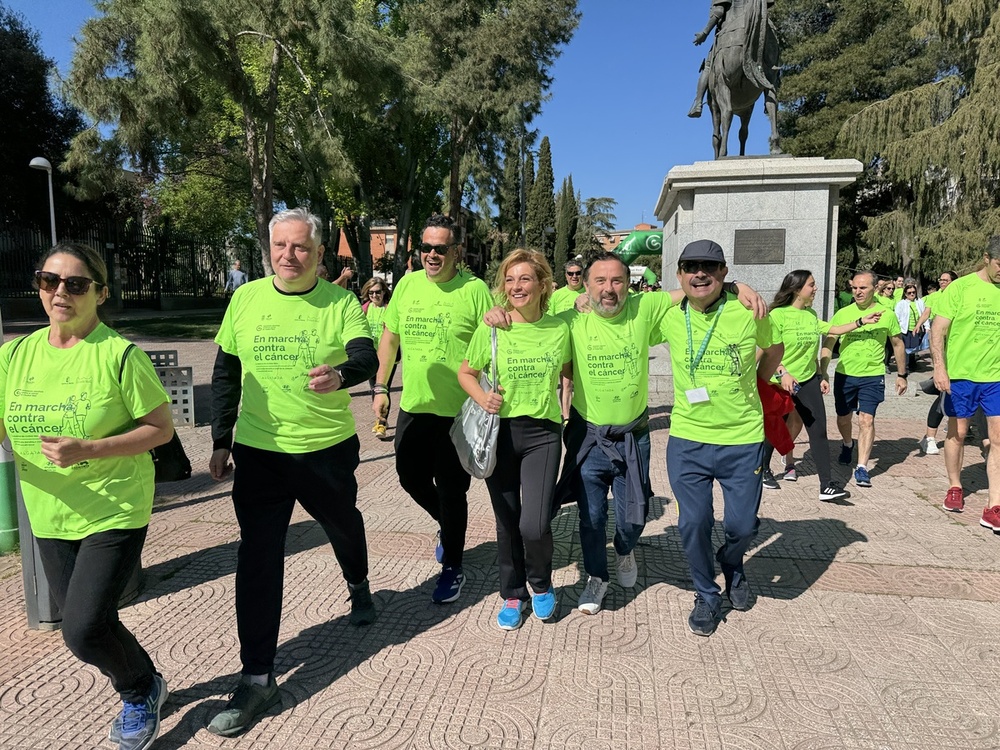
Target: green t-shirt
[(972, 350), (278, 338), (611, 358), (733, 414), (862, 351), (435, 323), (889, 303), (375, 314), (930, 301), (76, 392), (530, 357), (800, 331), (897, 294), (563, 299)]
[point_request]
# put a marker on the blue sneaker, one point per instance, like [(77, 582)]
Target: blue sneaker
[(140, 722), (846, 452), (704, 618), (449, 585), (544, 605), (439, 550), (509, 617), (861, 477), (159, 684)]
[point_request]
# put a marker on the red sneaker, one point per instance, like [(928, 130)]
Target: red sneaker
[(991, 518), (954, 500)]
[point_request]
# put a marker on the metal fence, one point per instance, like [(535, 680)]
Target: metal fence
[(144, 263)]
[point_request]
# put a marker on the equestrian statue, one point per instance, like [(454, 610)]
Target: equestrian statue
[(742, 65)]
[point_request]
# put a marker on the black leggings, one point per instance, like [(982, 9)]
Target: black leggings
[(87, 578), (936, 413), (521, 489), (809, 404)]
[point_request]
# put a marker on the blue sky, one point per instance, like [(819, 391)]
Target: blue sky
[(617, 113)]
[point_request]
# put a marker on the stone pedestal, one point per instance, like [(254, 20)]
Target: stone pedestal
[(771, 214)]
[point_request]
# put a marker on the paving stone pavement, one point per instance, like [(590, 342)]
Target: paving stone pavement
[(872, 627)]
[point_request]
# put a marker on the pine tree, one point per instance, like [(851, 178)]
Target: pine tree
[(509, 197), (566, 211), (527, 184)]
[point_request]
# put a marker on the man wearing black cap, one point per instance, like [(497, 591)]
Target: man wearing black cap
[(717, 425)]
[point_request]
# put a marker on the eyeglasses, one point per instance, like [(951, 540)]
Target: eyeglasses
[(439, 249), (574, 273), (911, 291), (693, 266), (75, 285), (375, 291)]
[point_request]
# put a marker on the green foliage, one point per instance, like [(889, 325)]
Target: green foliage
[(509, 196), (596, 219), (541, 219), (566, 213)]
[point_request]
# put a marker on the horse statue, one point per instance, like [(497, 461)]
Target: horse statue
[(742, 65)]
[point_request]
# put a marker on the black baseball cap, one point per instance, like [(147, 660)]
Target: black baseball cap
[(702, 250)]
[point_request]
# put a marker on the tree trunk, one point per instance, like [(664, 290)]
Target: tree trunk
[(261, 157), (454, 183)]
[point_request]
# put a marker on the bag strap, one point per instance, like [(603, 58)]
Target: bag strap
[(493, 361), (121, 368)]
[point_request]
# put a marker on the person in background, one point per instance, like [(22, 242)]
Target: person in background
[(88, 482), (235, 278), (564, 297), (374, 301), (908, 311), (795, 324), (928, 443), (532, 353)]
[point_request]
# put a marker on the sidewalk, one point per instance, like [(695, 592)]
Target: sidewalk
[(873, 625)]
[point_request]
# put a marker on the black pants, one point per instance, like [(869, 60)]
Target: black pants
[(87, 578), (809, 404), (430, 472), (522, 489), (936, 413), (265, 488)]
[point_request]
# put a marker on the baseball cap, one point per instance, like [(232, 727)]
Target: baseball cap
[(702, 250)]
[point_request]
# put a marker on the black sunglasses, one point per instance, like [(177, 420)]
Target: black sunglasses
[(48, 281), (439, 249), (693, 266), (574, 273)]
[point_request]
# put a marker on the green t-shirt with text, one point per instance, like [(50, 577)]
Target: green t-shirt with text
[(563, 299), (862, 351), (972, 350), (733, 414), (76, 392), (435, 323), (278, 338), (800, 331), (530, 357), (611, 358)]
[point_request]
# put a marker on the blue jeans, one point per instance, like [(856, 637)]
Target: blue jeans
[(692, 469), (597, 474)]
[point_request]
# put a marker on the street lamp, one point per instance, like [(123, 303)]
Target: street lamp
[(40, 162)]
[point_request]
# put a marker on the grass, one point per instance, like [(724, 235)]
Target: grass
[(197, 326)]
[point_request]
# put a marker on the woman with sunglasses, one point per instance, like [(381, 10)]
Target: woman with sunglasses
[(82, 411), (796, 325), (908, 311), (374, 300), (531, 356)]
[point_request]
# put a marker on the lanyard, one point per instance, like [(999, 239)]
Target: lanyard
[(696, 358)]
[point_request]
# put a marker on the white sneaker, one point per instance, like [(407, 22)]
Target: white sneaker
[(627, 570), (592, 596), (929, 446)]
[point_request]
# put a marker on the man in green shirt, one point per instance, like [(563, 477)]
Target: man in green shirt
[(859, 383), (966, 354), (289, 347), (716, 426), (433, 314), (564, 297)]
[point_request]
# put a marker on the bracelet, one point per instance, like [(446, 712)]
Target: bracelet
[(859, 322), (379, 390), (902, 375)]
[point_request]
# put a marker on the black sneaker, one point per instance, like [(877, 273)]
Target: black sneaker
[(846, 452), (703, 619), (245, 706), (362, 606), (769, 481), (833, 492), (737, 588)]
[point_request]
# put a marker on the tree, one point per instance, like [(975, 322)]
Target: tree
[(541, 220), (509, 196), (34, 123), (527, 185), (596, 220), (938, 145), (566, 213)]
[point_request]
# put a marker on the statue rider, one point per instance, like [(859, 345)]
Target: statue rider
[(716, 17)]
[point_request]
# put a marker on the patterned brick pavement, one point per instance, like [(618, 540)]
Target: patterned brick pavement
[(872, 626)]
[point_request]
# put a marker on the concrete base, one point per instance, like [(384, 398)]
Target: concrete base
[(797, 196)]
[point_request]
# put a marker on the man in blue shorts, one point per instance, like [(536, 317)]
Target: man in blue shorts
[(967, 371), (859, 384)]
